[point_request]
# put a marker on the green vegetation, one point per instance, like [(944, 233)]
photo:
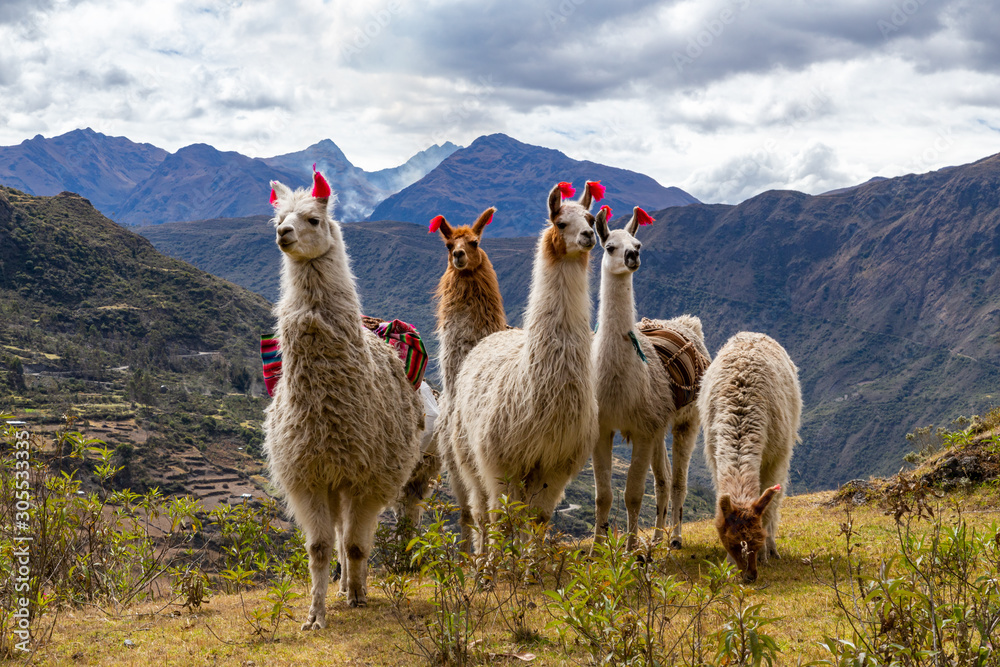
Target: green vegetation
[(915, 588)]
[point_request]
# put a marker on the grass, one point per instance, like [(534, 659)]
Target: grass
[(217, 634)]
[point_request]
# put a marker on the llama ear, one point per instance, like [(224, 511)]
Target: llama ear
[(633, 224), (279, 191), (555, 200), (760, 505), (601, 224), (321, 189), (726, 504), (639, 218), (592, 191), (439, 224), (485, 218)]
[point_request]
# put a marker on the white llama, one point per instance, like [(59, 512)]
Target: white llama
[(524, 417), (750, 405), (470, 308), (341, 434), (636, 394)]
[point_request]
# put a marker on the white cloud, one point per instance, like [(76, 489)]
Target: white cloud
[(809, 94)]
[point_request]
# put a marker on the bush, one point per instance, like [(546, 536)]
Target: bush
[(936, 602), (97, 548)]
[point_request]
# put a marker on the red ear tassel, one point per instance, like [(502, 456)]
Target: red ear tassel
[(566, 190), (606, 208), (596, 190), (274, 197), (435, 224), (643, 217), (489, 219), (321, 189)]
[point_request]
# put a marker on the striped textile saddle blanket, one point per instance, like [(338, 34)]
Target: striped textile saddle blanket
[(403, 337), (684, 364)]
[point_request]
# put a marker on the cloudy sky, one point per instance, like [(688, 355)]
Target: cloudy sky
[(724, 98)]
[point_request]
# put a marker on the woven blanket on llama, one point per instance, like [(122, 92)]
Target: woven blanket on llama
[(403, 337)]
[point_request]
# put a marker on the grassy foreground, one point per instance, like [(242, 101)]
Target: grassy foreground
[(794, 591)]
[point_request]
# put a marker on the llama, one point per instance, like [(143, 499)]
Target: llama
[(341, 435), (636, 395), (750, 404), (523, 409), (470, 308)]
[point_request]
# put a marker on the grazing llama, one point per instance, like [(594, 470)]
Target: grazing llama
[(470, 308), (523, 408), (750, 405), (636, 395), (341, 434)]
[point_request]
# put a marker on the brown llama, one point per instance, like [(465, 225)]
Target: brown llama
[(470, 308)]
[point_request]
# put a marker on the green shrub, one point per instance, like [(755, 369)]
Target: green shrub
[(935, 602)]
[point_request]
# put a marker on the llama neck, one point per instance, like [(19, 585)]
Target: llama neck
[(616, 313), (738, 462), (557, 319), (320, 296), (472, 298)]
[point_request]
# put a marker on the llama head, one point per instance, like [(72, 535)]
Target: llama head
[(464, 253), (302, 221), (621, 248), (741, 530), (570, 234)]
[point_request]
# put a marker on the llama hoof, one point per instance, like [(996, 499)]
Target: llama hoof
[(360, 602), (313, 623), (676, 543)]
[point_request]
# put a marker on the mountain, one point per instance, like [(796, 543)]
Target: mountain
[(199, 180), (497, 170), (106, 168), (140, 184), (91, 294), (395, 179), (155, 358), (356, 196), (886, 295)]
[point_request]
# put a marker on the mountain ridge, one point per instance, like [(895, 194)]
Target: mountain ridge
[(139, 184)]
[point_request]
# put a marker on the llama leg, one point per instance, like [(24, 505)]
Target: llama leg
[(771, 516), (359, 533), (602, 484), (685, 434), (661, 479), (551, 488), (337, 512), (479, 506), (312, 511), (635, 485), (466, 520)]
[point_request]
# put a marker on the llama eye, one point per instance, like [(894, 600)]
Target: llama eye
[(610, 248), (473, 245), (561, 225), (313, 221), (638, 246), (451, 246)]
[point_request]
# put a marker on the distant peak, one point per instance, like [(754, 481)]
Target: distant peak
[(497, 139)]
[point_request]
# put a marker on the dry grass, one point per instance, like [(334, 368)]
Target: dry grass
[(217, 634)]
